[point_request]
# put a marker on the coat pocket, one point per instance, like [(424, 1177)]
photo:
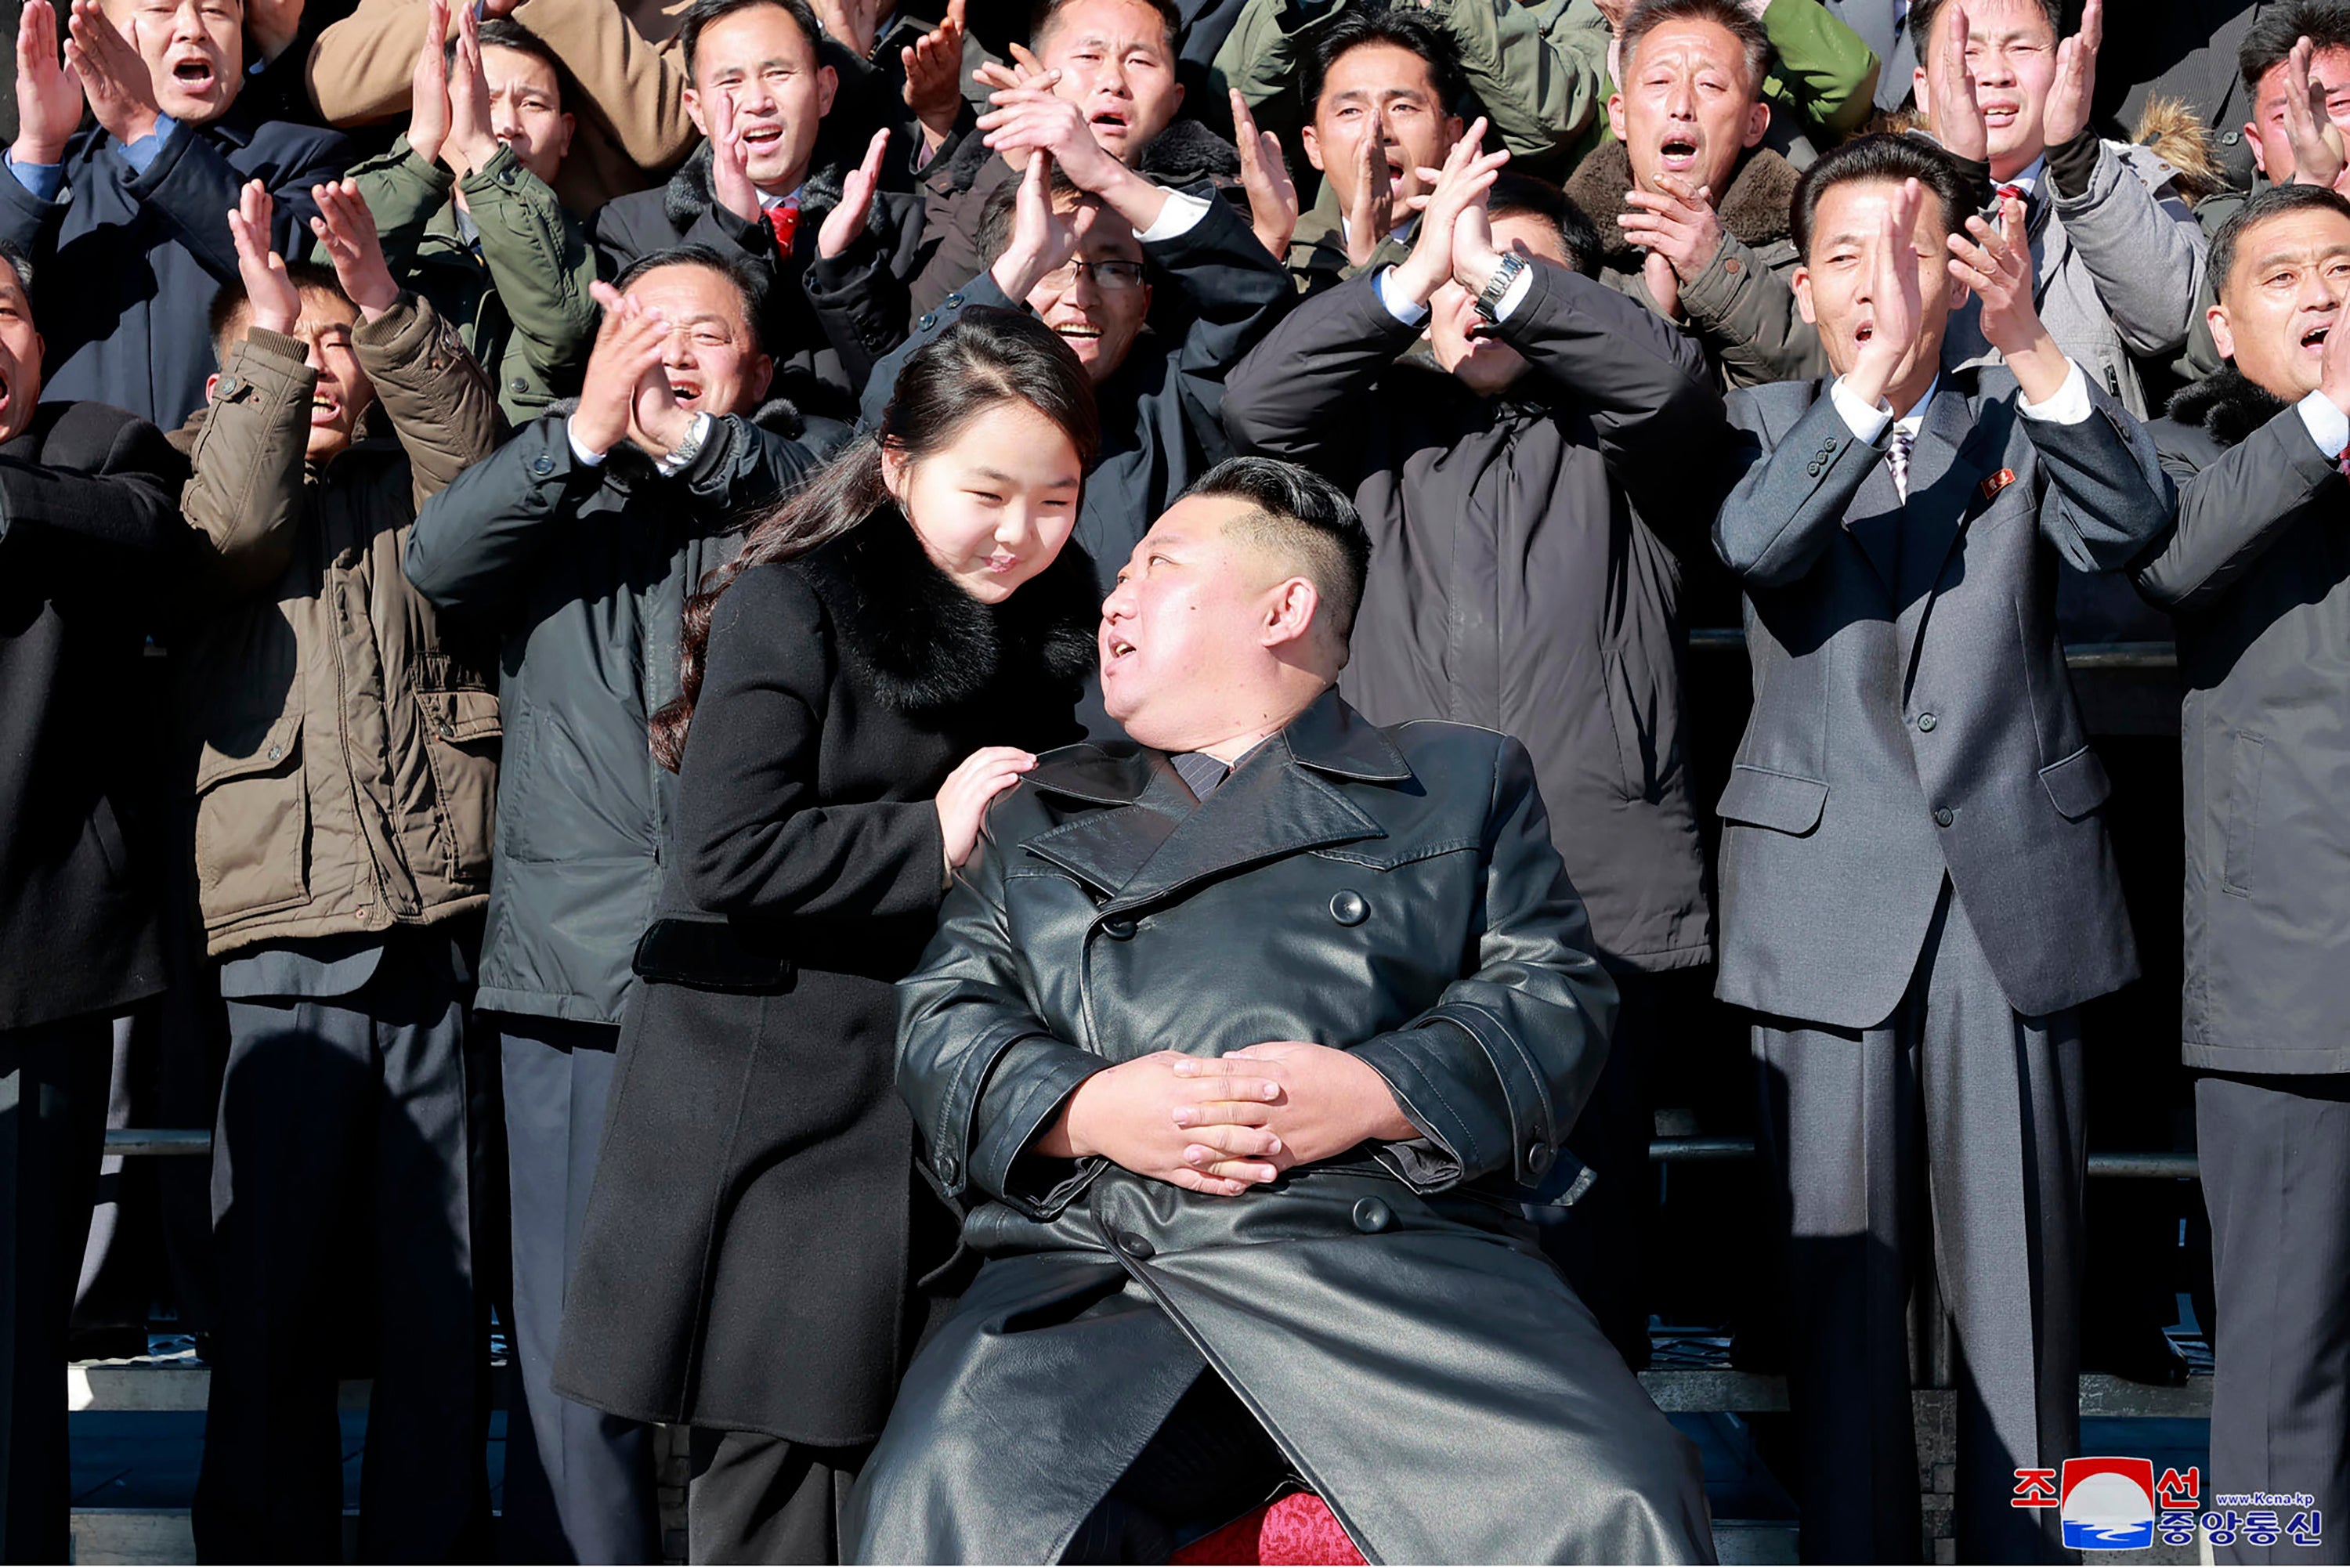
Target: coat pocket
[(2077, 784), (2251, 753), (462, 731), (1780, 802), (253, 826)]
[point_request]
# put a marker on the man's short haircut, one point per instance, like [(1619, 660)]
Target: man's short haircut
[(1001, 212), (1879, 161), (229, 304), (739, 277), (702, 13), (506, 33), (20, 262), (1048, 12), (2272, 202), (2325, 23), (1408, 30), (1516, 195), (1730, 15), (1304, 521), (1925, 13)]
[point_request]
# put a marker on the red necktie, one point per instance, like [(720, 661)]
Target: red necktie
[(783, 221)]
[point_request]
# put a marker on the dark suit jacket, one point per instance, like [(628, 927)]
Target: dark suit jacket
[(1913, 718)]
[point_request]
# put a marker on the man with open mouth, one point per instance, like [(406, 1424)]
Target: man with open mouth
[(134, 208)]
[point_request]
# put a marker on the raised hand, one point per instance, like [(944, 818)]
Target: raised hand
[(2067, 114), (116, 81), (1371, 216), (1265, 175), (1043, 239), (853, 24), (730, 172), (1957, 118), (428, 85), (271, 301), (962, 800), (629, 347), (49, 92), (1997, 265), (1679, 230), (1459, 185), (2318, 154), (1895, 306), (345, 232), (1034, 119), (933, 64), (1024, 71), (471, 144), (845, 224)]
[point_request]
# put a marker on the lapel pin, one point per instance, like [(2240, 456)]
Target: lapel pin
[(1997, 482)]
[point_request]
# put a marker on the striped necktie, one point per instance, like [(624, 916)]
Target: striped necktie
[(1899, 456)]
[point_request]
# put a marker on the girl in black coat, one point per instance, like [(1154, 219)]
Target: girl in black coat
[(885, 657)]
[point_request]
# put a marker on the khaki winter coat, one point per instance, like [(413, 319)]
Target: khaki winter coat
[(341, 740)]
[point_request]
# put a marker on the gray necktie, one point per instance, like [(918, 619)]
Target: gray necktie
[(1900, 458)]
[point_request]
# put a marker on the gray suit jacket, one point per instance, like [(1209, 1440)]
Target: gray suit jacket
[(1873, 20), (1912, 713)]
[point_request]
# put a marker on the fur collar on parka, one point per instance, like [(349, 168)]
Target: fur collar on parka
[(1756, 208), (927, 643), (2226, 405), (689, 193)]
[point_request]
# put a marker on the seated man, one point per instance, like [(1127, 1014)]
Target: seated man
[(91, 543), (764, 191), (342, 750), (1917, 890), (1241, 1036), (1513, 585), (468, 211), (134, 210), (2256, 581), (1081, 248), (1693, 208)]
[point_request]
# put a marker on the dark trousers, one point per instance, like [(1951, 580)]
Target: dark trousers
[(580, 1483), (1208, 1463), (1948, 1138), (756, 1499), (343, 1121), (1597, 1241), (2275, 1155), (53, 1082)]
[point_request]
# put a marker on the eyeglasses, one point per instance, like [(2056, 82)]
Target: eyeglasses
[(1109, 277)]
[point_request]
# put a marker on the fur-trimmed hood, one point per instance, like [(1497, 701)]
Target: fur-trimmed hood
[(2226, 405), (1756, 208), (689, 193), (927, 643)]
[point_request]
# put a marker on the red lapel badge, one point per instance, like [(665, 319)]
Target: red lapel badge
[(1997, 482)]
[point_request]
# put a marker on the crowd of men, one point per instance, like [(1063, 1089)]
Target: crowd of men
[(380, 381)]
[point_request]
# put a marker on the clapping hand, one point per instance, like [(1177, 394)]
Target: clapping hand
[(625, 381), (730, 164), (1034, 119), (1466, 175), (49, 92), (346, 230), (1265, 175), (271, 301), (1958, 117), (1896, 306), (2069, 96), (1371, 216), (845, 224), (1997, 265), (2318, 155), (1043, 237), (1679, 230), (120, 89), (933, 65)]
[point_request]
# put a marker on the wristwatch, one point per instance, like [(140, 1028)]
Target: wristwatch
[(686, 450), (1497, 288)]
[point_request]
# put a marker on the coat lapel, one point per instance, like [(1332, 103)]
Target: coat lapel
[(1954, 454), (1874, 522), (1146, 798)]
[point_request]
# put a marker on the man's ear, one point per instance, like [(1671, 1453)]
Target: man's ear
[(209, 383), (1802, 284), (1616, 117), (2260, 152), (2223, 336), (761, 376), (1758, 120), (1312, 143), (1453, 126), (691, 99), (562, 142), (827, 83), (1925, 99), (1290, 608)]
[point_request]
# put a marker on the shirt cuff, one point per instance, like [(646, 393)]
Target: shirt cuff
[(1866, 424), (43, 180), (1179, 216), (1402, 309), (1512, 297), (2069, 406), (580, 454), (141, 154), (2326, 425)]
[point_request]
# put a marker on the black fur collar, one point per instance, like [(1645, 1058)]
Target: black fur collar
[(2227, 404), (928, 644), (689, 193), (1755, 208)]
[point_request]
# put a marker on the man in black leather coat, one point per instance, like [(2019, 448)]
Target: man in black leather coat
[(1242, 1037)]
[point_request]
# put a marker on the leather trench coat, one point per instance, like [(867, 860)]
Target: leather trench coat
[(1383, 1314)]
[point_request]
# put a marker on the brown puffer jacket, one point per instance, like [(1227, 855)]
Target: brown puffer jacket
[(341, 741)]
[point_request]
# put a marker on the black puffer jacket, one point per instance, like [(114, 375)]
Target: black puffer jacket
[(585, 571), (2257, 577)]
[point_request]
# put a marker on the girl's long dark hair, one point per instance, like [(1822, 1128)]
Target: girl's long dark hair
[(986, 358)]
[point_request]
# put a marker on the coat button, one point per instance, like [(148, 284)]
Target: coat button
[(1944, 816), (1139, 1248), (2229, 138), (1815, 469), (1925, 723), (275, 752), (542, 465), (1733, 267), (954, 300), (517, 385), (447, 731), (1372, 1216), (950, 1169), (1539, 1156), (1348, 908), (1118, 928), (929, 319)]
